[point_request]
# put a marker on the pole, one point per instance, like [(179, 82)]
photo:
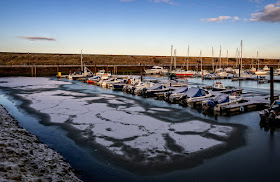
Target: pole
[(227, 58), (188, 57), (82, 60), (213, 66), (171, 58), (241, 55), (220, 64), (271, 86)]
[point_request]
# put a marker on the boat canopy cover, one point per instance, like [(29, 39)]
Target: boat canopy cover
[(195, 92), (180, 90), (155, 87), (218, 100)]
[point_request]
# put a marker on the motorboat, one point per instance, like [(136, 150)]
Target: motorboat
[(175, 95), (150, 91), (194, 93), (156, 70), (261, 72), (218, 86), (102, 73), (93, 80), (180, 73), (217, 103), (139, 88), (263, 80)]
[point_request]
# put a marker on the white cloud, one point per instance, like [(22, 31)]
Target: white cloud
[(164, 1), (270, 13), (220, 19)]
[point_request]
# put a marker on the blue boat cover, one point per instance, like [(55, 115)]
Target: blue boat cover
[(180, 90), (155, 87), (195, 92), (218, 100)]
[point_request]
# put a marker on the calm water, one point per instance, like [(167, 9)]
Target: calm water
[(257, 160)]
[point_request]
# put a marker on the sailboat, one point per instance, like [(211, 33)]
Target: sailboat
[(259, 71), (84, 73), (180, 72)]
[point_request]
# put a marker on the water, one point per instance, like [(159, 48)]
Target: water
[(256, 160)]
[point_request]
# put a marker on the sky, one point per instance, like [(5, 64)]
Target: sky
[(141, 27)]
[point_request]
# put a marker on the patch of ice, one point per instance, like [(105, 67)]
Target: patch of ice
[(151, 145), (222, 131), (81, 127), (191, 126), (117, 130), (106, 96), (194, 143), (27, 83), (103, 142)]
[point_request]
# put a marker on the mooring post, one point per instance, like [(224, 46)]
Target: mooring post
[(95, 69), (271, 86), (32, 71), (35, 74), (107, 68)]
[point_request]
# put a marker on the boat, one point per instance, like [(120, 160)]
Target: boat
[(266, 68), (194, 93), (220, 101), (263, 80), (139, 88), (93, 80), (271, 115), (180, 73), (261, 72), (218, 86), (85, 73), (156, 70), (175, 95), (102, 73), (150, 91)]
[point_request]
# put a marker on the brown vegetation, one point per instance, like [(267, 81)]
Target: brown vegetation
[(89, 59)]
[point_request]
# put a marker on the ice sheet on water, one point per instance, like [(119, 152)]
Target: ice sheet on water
[(128, 125), (31, 82), (194, 126)]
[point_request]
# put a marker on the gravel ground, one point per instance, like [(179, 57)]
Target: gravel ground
[(24, 158)]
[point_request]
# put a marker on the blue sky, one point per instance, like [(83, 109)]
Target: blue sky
[(141, 27)]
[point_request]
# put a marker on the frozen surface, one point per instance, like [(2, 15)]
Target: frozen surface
[(122, 127)]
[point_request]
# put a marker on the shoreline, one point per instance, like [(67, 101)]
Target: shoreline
[(24, 157)]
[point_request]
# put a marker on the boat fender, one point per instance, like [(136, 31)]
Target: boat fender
[(242, 109)]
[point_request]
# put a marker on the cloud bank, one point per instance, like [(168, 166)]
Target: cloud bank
[(220, 19), (270, 13), (38, 38)]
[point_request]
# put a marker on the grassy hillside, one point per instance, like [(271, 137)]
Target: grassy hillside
[(64, 59)]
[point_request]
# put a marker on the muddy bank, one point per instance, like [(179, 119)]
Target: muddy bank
[(24, 158)]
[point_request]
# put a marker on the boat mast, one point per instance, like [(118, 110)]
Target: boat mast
[(82, 60), (201, 62), (188, 57), (171, 58), (213, 66), (175, 60), (227, 58), (241, 56), (236, 56), (220, 63), (258, 60)]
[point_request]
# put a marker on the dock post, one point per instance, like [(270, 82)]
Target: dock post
[(95, 69), (32, 71), (35, 71), (271, 86)]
